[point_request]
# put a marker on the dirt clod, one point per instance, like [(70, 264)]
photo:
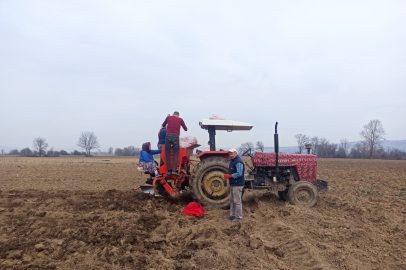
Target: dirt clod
[(39, 247)]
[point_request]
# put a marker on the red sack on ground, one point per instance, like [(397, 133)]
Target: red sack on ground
[(194, 209)]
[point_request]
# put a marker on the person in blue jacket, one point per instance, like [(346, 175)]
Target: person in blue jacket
[(236, 178), (161, 141), (147, 161), (161, 137)]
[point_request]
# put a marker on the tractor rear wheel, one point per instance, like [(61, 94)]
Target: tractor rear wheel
[(208, 186), (303, 193)]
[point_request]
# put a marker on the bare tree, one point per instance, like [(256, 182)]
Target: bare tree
[(358, 150), (315, 144), (344, 144), (373, 133), (41, 145), (26, 152), (301, 141), (110, 151), (260, 146), (2, 151), (118, 152), (326, 149), (51, 152), (245, 147), (14, 152), (88, 141), (131, 151)]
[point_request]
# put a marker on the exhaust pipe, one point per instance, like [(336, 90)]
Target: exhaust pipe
[(276, 145)]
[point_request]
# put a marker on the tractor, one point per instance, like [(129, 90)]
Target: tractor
[(293, 176)]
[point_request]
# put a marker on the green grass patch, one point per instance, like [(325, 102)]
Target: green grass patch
[(401, 194), (369, 191)]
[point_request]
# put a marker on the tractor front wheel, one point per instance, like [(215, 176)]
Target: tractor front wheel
[(303, 193)]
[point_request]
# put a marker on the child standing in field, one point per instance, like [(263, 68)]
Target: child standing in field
[(147, 161)]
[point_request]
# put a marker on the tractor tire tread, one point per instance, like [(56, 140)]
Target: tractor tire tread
[(201, 170), (303, 185)]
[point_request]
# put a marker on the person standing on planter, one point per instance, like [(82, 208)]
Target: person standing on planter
[(172, 124)]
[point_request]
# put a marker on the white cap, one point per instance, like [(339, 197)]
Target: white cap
[(232, 150)]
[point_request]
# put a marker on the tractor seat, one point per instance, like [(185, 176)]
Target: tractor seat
[(141, 169)]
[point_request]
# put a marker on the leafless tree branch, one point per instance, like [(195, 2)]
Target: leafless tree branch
[(260, 146), (373, 134), (246, 146), (301, 141), (344, 145), (88, 141), (40, 144)]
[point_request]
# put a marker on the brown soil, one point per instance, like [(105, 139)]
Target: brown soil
[(82, 213)]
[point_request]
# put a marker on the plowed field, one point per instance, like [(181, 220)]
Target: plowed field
[(83, 213)]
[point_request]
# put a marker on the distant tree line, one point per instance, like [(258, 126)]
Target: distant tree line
[(249, 147), (372, 136), (87, 141), (127, 151), (30, 153)]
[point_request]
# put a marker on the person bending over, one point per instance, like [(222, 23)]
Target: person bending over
[(147, 161)]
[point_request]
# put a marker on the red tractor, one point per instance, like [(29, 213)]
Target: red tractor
[(293, 176)]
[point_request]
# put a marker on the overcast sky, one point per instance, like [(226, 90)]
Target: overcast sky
[(117, 68)]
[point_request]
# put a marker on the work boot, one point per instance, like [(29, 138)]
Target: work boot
[(175, 173), (229, 217), (149, 181), (169, 173), (236, 220)]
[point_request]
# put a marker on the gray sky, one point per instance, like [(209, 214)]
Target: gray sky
[(117, 68)]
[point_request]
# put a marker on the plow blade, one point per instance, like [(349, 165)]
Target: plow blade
[(148, 189)]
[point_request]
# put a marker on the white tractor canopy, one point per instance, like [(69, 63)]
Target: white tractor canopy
[(228, 125)]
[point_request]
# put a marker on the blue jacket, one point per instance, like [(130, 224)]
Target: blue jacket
[(147, 157), (161, 136), (232, 169)]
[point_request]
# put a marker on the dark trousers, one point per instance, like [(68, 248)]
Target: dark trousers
[(171, 142), (161, 162)]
